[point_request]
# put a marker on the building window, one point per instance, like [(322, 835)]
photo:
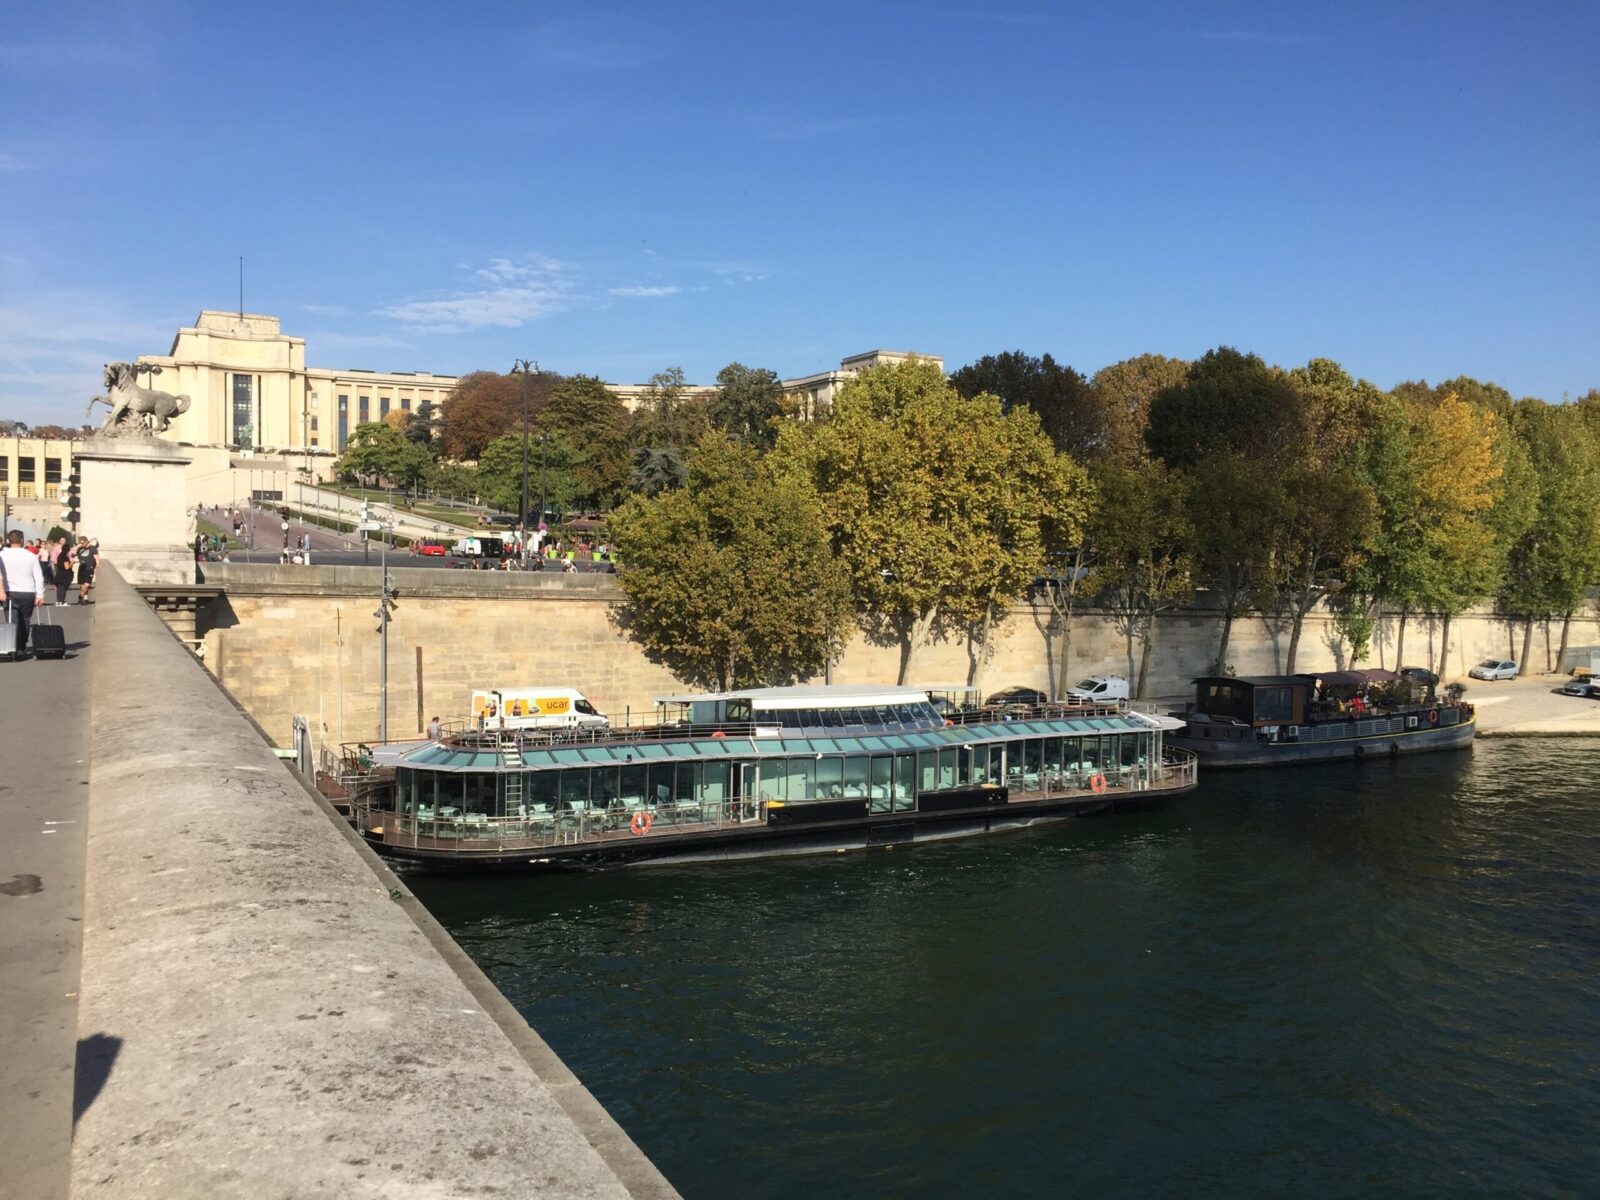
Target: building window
[(344, 422), (405, 403), (313, 442), (52, 478), (243, 411), (25, 469), (313, 424), (365, 413), (383, 407)]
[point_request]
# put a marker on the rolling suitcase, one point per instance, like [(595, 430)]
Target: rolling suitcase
[(49, 641), (8, 635)]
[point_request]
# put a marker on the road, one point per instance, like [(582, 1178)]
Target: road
[(43, 823), (265, 533)]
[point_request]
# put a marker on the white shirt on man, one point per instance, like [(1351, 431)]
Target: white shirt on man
[(20, 567)]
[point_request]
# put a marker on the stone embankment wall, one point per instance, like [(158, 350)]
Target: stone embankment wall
[(289, 640), (265, 1010)]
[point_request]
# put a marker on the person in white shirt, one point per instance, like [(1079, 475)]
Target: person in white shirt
[(21, 584)]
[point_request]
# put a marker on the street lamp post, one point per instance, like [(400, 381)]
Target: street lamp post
[(544, 445), (524, 367)]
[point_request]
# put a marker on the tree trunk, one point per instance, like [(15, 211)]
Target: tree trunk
[(1400, 641), (1298, 620), (1527, 645), (1444, 648), (1566, 622), (911, 641), (1549, 667), (1132, 624), (978, 656), (1221, 665), (1064, 655), (1144, 657)]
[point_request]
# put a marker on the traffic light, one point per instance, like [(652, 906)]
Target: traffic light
[(73, 497)]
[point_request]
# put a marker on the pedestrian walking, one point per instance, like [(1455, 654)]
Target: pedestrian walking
[(63, 571), (21, 585), (87, 557)]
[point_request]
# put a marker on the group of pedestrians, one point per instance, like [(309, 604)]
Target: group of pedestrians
[(29, 570)]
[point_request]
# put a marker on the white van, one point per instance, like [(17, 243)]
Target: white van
[(1098, 689), (534, 708)]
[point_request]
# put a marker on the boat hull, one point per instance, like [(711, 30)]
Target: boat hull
[(1252, 752), (770, 838)]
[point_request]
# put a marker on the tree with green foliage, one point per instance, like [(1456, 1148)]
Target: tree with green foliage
[(483, 405), (936, 502), (595, 423), (1227, 401), (1142, 534), (1234, 426), (657, 470), (730, 581), (376, 451), (1126, 390), (499, 473), (748, 405), (1069, 409), (1557, 558)]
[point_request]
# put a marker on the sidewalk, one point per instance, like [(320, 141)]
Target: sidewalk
[(44, 728)]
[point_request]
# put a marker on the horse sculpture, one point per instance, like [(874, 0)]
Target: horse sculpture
[(135, 409)]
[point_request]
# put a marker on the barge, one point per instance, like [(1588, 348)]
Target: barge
[(1263, 721), (751, 773)]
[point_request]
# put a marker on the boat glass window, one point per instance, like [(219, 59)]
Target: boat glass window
[(575, 789), (714, 782), (905, 780), (881, 783), (739, 710), (802, 774), (947, 767), (856, 773), (830, 778)]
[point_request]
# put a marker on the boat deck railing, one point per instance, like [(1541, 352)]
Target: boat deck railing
[(538, 826), (491, 736)]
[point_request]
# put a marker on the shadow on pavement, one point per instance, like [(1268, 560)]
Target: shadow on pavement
[(97, 1054)]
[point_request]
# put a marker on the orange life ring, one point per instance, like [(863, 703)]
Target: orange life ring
[(1433, 716), (949, 724), (719, 734), (1097, 783), (641, 823)]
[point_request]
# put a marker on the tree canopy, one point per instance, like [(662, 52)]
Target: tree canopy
[(937, 503), (729, 579), (485, 404)]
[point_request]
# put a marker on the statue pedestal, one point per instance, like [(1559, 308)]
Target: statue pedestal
[(135, 501)]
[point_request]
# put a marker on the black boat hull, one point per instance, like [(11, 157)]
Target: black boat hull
[(1252, 751)]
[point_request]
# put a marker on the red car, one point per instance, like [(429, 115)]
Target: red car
[(431, 547)]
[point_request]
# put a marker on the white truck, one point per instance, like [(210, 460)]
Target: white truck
[(534, 708), (1099, 689)]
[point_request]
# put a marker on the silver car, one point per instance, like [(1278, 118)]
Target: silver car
[(1494, 668)]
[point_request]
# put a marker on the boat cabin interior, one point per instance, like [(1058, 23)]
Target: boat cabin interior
[(1254, 700)]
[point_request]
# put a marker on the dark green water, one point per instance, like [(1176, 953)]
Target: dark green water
[(1364, 981)]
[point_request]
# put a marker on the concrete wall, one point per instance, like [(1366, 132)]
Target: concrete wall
[(265, 1010), (295, 640)]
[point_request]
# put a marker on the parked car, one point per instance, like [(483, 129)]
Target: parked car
[(432, 547), (1494, 668), (1017, 697), (1419, 675), (1099, 688), (1578, 685)]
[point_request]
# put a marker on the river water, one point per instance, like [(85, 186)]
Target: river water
[(1373, 980)]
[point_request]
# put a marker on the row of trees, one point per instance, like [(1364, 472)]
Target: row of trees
[(931, 505), (589, 449)]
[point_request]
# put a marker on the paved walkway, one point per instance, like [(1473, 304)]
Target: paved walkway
[(1532, 707), (44, 730)]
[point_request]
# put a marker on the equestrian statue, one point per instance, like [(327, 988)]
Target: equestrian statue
[(135, 411)]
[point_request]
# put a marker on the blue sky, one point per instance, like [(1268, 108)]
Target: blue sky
[(1410, 188)]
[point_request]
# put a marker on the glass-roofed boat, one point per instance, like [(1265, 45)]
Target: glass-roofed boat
[(754, 772)]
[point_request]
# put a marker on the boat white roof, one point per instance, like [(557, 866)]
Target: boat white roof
[(837, 695)]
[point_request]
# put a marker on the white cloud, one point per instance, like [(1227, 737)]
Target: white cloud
[(644, 293), (521, 290), (327, 310)]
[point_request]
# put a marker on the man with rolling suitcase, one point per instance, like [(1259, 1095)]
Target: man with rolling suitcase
[(21, 587)]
